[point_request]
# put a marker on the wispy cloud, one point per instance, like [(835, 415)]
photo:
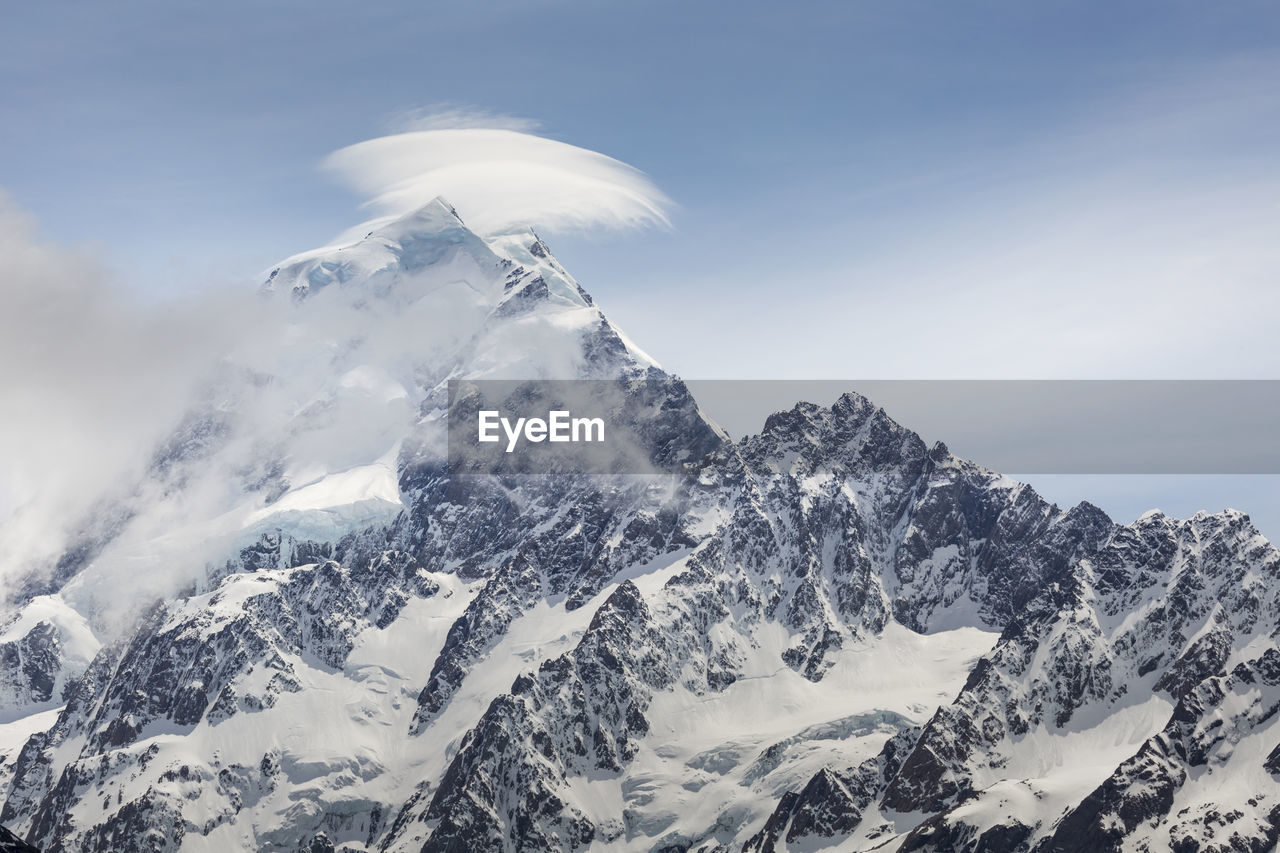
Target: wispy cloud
[(94, 377), (498, 175), (170, 415), (450, 116)]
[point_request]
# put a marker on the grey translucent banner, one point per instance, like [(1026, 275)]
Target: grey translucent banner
[(653, 424), (1049, 426)]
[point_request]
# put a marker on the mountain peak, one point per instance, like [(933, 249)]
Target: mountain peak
[(437, 213), (384, 249)]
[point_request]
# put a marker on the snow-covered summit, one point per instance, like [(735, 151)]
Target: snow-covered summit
[(430, 235), (494, 306)]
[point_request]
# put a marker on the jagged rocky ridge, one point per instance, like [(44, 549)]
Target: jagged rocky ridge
[(825, 635)]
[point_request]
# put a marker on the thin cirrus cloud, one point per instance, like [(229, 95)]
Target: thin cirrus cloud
[(499, 176), (450, 116)]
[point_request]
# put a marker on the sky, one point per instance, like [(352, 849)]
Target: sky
[(844, 189)]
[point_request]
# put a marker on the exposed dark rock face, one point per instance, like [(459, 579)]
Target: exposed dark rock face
[(832, 804), (1209, 587), (1200, 736), (31, 664), (10, 843)]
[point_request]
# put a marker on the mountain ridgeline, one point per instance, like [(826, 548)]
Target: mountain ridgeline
[(827, 635)]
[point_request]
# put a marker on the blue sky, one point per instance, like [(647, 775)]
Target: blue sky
[(877, 189)]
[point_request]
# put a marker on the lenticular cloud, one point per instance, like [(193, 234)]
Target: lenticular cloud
[(501, 178)]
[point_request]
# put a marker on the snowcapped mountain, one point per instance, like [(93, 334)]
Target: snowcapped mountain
[(301, 632)]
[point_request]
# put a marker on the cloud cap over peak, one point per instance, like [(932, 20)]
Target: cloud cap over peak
[(500, 178)]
